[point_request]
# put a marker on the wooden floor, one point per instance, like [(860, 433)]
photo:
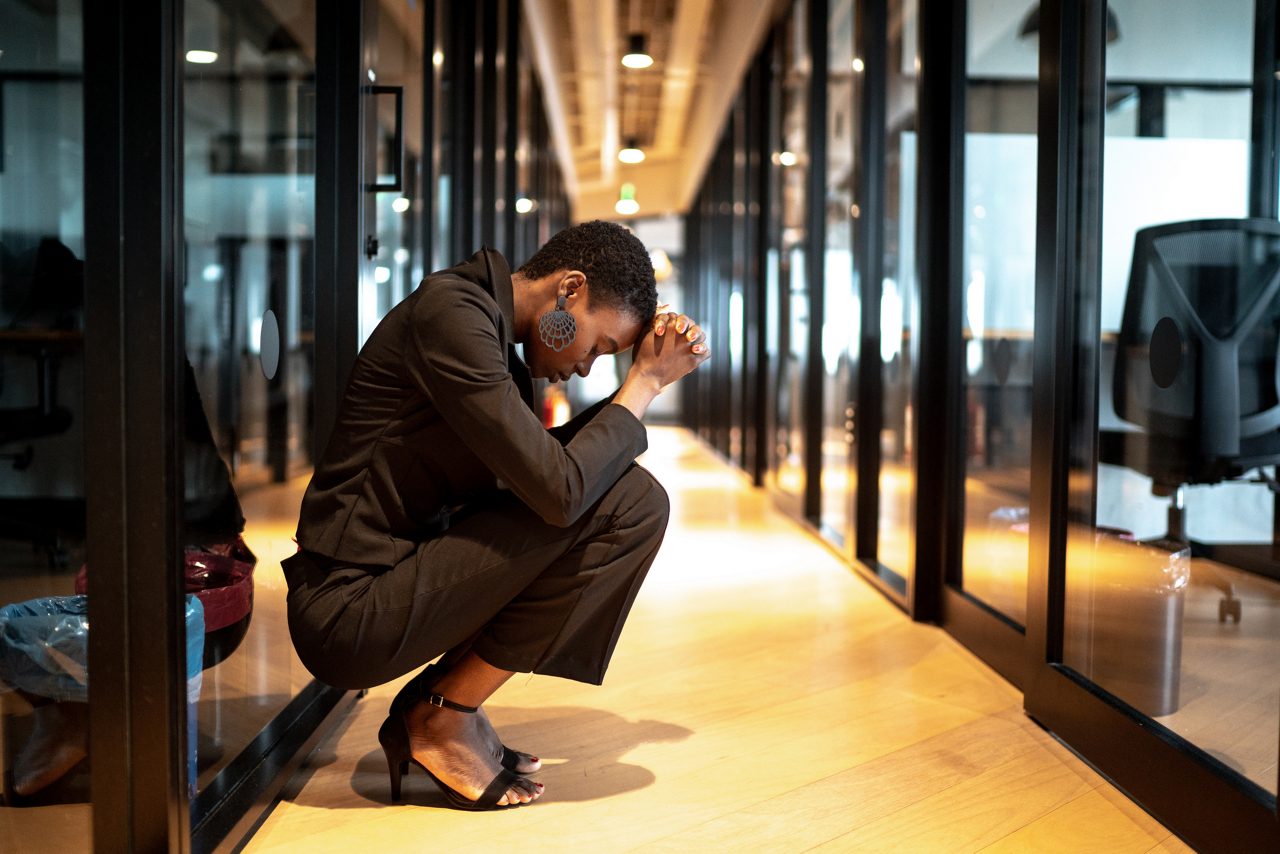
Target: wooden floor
[(762, 698)]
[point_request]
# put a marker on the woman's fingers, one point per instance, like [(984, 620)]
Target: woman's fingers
[(664, 319), (682, 324)]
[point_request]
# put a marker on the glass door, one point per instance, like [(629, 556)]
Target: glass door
[(984, 602), (886, 550), (842, 314), (248, 73), (791, 289), (1158, 646)]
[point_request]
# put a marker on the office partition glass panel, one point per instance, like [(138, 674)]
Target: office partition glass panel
[(438, 154), (792, 160), (999, 304), (1173, 568), (842, 308), (248, 72), (899, 307), (394, 155), (44, 702)]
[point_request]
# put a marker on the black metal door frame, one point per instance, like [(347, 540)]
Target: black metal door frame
[(133, 340)]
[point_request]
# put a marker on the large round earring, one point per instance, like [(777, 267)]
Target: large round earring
[(557, 328)]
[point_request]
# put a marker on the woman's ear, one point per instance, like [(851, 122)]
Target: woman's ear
[(573, 282)]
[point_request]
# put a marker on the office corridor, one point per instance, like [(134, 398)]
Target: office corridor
[(762, 698)]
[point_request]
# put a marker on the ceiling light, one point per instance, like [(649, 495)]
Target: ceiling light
[(203, 57), (632, 153), (524, 205), (627, 204), (858, 64), (787, 158), (400, 205), (637, 55)]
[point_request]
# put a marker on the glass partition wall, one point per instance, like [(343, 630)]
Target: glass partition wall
[(1172, 569), (1062, 256), (178, 305), (44, 706), (998, 306), (791, 159), (899, 304), (842, 306), (249, 90)]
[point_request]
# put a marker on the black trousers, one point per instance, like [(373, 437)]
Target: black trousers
[(530, 597)]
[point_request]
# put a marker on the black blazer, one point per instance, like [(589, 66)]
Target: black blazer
[(438, 413)]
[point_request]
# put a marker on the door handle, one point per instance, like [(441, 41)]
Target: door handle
[(397, 144)]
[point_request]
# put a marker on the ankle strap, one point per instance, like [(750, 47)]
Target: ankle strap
[(439, 700)]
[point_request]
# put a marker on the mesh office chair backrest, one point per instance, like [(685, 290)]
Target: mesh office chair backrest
[(1196, 362)]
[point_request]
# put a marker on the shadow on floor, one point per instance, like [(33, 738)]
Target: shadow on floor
[(581, 751)]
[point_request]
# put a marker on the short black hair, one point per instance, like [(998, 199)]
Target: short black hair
[(615, 262)]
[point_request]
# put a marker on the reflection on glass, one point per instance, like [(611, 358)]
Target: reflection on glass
[(999, 308), (842, 310), (249, 226), (898, 298), (793, 319), (441, 139), (396, 60), (43, 695), (1173, 602)]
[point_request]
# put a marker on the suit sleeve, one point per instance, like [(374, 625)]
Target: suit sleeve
[(565, 432), (455, 355)]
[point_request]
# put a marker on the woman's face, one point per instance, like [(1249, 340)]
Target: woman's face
[(601, 330)]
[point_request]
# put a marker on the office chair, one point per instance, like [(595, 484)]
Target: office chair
[(1196, 365)]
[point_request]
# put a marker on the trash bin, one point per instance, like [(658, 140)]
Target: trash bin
[(44, 652), (1124, 619)]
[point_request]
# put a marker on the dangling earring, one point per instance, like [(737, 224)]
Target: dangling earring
[(557, 328)]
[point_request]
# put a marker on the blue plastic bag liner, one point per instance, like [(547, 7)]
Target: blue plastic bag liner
[(44, 647)]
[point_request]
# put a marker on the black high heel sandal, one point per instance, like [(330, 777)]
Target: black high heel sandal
[(393, 735), (420, 688)]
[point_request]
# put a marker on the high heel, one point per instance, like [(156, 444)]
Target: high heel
[(420, 687), (393, 735)]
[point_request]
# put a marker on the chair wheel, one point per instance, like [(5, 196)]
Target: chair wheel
[(1229, 608)]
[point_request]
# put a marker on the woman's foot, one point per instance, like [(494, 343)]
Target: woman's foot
[(526, 764), (457, 748), (424, 683)]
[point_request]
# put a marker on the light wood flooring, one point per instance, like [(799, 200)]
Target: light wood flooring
[(762, 698)]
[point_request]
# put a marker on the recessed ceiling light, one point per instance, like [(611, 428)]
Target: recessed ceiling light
[(627, 204), (632, 153), (637, 55), (202, 57)]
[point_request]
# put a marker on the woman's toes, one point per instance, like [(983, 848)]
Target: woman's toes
[(528, 764), (529, 790), (516, 796)]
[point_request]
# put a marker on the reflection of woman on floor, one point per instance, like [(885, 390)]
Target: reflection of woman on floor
[(443, 518)]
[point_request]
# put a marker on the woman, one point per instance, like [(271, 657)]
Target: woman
[(444, 520)]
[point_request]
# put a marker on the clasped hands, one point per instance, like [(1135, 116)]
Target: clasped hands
[(676, 346)]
